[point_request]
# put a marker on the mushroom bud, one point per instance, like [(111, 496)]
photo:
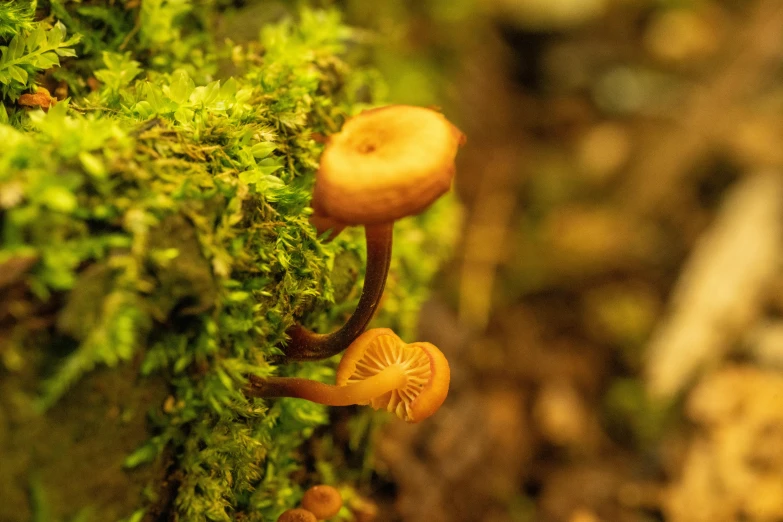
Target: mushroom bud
[(297, 515), (378, 369), (385, 164), (322, 501)]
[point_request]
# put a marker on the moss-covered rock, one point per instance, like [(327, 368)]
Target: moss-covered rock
[(155, 247)]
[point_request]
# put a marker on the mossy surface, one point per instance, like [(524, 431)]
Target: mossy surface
[(154, 248)]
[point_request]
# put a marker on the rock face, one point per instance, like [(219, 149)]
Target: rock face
[(155, 247), (60, 462)]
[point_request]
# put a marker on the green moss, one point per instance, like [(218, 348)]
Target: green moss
[(158, 225), (32, 47), (16, 18)]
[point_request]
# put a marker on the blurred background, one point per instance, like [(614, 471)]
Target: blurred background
[(612, 316), (613, 313)]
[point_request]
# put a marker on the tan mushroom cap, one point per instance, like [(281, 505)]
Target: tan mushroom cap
[(297, 515), (322, 501), (425, 367), (385, 164)]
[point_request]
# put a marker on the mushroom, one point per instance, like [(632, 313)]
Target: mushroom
[(322, 501), (378, 369), (385, 164), (297, 515)]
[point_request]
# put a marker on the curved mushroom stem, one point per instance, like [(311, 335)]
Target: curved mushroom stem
[(389, 379), (306, 345)]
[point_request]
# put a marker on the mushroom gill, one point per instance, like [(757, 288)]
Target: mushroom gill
[(385, 352), (423, 365), (378, 368)]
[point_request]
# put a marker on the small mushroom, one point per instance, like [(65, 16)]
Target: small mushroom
[(379, 369), (385, 164), (297, 515), (322, 501)]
